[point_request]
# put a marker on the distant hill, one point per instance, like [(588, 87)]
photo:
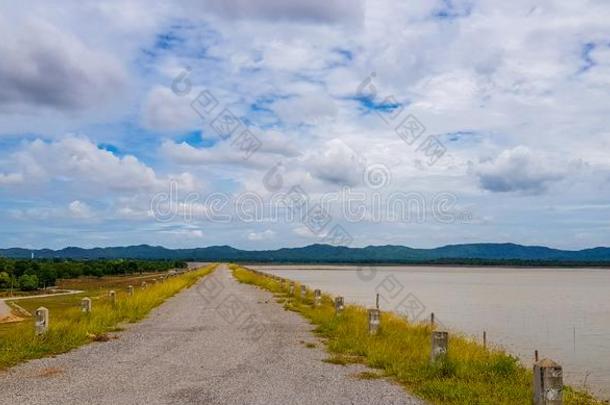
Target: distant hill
[(479, 253)]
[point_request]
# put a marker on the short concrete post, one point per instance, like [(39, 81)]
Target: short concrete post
[(112, 296), (317, 297), (130, 290), (42, 321), (85, 305), (143, 285), (548, 383), (440, 344), (373, 321), (339, 305), (291, 289), (303, 291)]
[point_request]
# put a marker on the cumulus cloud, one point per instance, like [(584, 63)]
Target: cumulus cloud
[(79, 161), (519, 169), (335, 162), (79, 209), (272, 146), (78, 158), (44, 66)]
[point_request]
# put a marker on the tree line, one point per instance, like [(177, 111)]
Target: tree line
[(32, 274)]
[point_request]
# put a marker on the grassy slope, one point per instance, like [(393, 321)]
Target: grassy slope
[(469, 375), (70, 328)]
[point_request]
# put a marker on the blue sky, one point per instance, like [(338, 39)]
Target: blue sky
[(100, 144)]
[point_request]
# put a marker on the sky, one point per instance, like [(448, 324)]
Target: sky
[(197, 123)]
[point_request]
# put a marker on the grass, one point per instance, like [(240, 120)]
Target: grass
[(70, 328), (469, 374)]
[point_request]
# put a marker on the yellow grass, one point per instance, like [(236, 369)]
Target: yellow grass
[(70, 328)]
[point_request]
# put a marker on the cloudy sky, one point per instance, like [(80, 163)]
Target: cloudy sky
[(127, 122)]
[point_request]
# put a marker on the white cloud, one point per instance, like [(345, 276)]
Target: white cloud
[(79, 159), (165, 111), (336, 163), (79, 162), (519, 169), (79, 209)]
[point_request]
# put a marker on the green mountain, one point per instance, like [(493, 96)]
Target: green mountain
[(479, 253)]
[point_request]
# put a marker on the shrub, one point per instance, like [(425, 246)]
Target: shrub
[(28, 282)]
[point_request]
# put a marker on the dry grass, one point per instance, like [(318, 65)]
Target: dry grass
[(49, 372)]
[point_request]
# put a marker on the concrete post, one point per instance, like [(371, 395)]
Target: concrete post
[(339, 305), (373, 321), (548, 383), (317, 297), (143, 285), (303, 291), (85, 305), (42, 321), (440, 344), (130, 290), (112, 296), (291, 289)]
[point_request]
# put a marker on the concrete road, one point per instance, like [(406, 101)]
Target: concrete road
[(219, 342), (5, 310)]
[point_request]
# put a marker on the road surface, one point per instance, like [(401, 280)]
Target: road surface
[(219, 342), (5, 310)]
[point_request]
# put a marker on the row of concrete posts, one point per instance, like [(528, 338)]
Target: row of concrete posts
[(548, 375)]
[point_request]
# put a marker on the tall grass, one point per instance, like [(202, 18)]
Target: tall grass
[(70, 328), (470, 373)]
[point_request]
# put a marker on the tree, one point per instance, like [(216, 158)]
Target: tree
[(47, 275), (28, 282), (5, 280)]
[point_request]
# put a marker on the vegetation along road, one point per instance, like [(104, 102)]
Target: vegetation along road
[(218, 342)]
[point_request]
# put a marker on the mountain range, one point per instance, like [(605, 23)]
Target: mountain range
[(477, 253)]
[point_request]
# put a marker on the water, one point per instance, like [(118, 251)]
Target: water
[(563, 313)]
